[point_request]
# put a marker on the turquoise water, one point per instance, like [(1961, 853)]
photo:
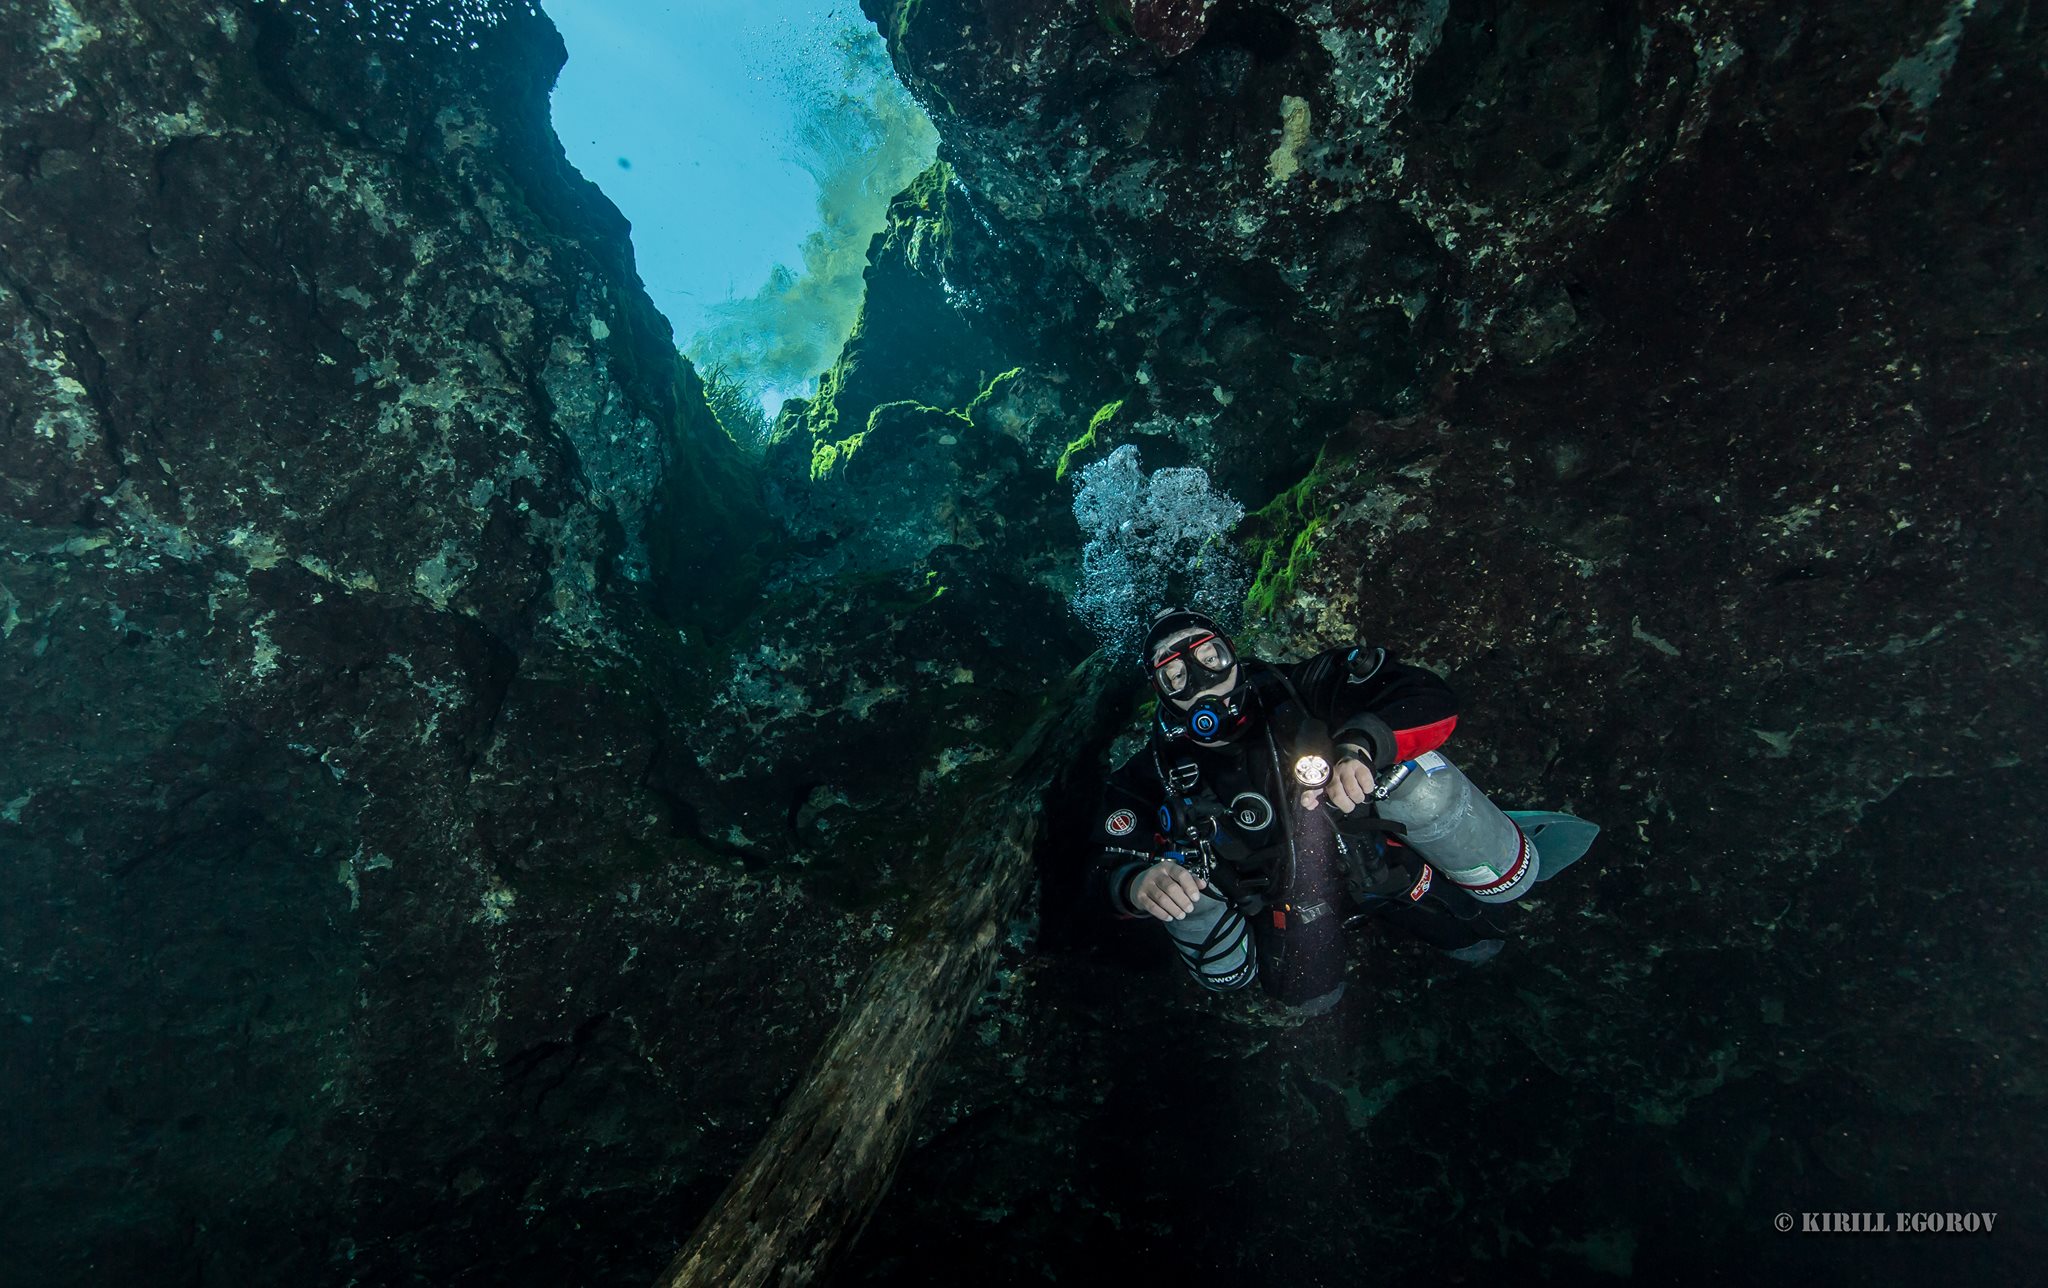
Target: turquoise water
[(754, 145)]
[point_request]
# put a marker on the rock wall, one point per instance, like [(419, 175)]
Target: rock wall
[(363, 546), (1253, 219), (450, 789), (1667, 378)]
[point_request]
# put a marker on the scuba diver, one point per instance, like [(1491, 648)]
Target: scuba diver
[(1272, 804)]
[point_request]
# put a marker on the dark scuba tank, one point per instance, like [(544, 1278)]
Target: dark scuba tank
[(1463, 835)]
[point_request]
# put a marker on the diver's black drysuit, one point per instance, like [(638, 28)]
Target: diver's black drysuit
[(1287, 875)]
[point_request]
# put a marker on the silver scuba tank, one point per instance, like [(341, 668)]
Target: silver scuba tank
[(1462, 834)]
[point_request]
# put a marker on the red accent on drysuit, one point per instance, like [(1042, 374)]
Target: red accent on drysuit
[(1410, 743)]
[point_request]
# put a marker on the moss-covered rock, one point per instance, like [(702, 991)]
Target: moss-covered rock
[(360, 533)]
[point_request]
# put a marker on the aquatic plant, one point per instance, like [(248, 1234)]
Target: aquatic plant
[(1151, 542), (864, 140), (739, 412), (1103, 415), (1280, 542)]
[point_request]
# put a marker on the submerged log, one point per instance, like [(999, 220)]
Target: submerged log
[(808, 1189)]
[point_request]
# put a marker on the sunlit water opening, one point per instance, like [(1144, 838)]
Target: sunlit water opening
[(755, 146)]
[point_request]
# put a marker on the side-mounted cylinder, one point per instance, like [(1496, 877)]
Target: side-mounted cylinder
[(1464, 835)]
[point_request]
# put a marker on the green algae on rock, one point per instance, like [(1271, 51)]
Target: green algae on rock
[(1089, 440)]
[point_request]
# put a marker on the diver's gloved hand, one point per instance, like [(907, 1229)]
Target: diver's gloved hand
[(1166, 890), (1351, 783)]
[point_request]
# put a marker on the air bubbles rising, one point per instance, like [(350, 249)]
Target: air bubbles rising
[(449, 24)]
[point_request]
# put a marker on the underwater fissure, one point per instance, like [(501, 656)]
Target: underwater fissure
[(473, 811)]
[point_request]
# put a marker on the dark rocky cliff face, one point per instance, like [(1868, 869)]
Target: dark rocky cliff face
[(363, 550), (1266, 217), (449, 790), (1670, 377)]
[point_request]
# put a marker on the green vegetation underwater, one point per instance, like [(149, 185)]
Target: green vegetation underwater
[(520, 768)]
